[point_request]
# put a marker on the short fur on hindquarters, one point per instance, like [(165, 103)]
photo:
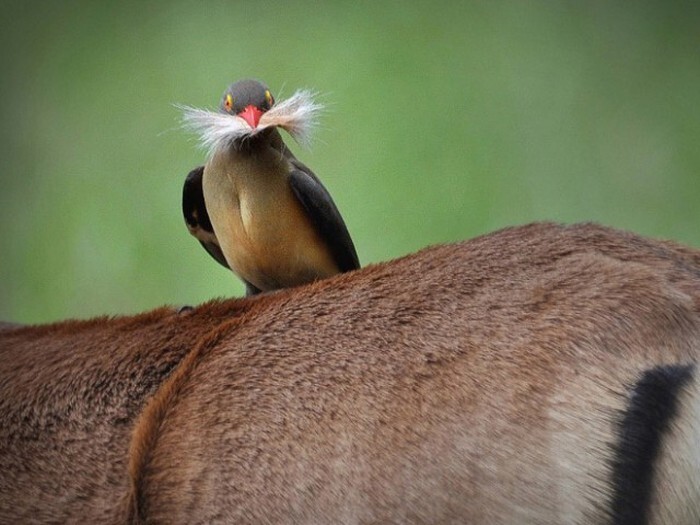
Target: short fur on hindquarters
[(520, 377)]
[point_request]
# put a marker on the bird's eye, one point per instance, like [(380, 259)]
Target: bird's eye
[(228, 102), (268, 98)]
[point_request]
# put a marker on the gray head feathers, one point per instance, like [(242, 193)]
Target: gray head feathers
[(296, 114)]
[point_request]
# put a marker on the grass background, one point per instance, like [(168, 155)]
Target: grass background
[(445, 121)]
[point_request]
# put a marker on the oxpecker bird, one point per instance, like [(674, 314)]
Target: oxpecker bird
[(254, 207)]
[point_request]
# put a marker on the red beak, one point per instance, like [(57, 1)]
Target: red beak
[(251, 115)]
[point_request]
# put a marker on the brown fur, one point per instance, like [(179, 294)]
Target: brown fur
[(472, 383), (69, 395)]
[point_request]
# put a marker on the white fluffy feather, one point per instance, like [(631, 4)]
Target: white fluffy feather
[(296, 114)]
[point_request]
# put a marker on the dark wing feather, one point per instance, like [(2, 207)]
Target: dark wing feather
[(196, 217), (325, 216)]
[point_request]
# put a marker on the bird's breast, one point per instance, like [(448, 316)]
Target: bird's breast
[(263, 230)]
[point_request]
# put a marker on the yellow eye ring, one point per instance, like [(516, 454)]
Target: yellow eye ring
[(268, 98), (228, 102)]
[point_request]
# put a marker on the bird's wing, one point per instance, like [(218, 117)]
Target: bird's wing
[(325, 216), (196, 217)]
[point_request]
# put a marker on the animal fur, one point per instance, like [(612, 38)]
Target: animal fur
[(497, 381), (221, 131)]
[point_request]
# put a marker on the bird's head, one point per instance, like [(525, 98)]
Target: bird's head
[(247, 109), (247, 99)]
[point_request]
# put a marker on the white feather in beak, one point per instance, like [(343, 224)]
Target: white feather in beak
[(296, 114)]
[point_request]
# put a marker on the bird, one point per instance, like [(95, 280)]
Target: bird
[(254, 207)]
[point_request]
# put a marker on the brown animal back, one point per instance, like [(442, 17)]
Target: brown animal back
[(70, 394), (448, 386)]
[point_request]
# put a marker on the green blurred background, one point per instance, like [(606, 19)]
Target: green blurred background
[(444, 122)]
